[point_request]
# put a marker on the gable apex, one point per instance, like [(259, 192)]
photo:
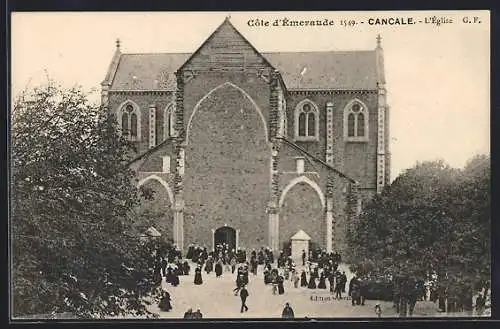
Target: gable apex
[(226, 40), (300, 235)]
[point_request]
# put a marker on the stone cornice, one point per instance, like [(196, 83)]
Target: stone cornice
[(141, 92), (329, 92)]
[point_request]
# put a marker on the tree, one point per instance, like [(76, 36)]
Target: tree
[(432, 218), (473, 208), (73, 243)]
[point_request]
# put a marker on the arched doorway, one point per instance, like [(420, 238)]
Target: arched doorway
[(225, 234), (302, 206)]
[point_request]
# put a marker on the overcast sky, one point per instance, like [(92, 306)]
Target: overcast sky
[(437, 76)]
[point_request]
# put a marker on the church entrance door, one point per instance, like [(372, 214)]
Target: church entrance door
[(226, 235)]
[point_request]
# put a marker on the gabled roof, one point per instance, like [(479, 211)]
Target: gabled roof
[(315, 159), (148, 71), (336, 70), (346, 70), (225, 23), (110, 75), (324, 70), (300, 235)]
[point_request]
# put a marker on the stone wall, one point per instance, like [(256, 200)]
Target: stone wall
[(302, 209), (157, 212), (227, 170), (355, 159), (144, 100)]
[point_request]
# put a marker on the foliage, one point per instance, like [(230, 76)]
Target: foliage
[(379, 290), (432, 218), (74, 247)]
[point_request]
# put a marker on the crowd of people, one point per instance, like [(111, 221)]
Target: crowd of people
[(318, 268)]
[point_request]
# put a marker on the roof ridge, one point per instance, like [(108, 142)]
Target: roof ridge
[(338, 172), (149, 151), (263, 52), (320, 51), (157, 53)]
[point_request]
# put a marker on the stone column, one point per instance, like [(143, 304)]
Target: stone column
[(152, 125), (353, 205), (179, 224), (179, 108), (274, 118), (382, 137), (329, 133), (329, 224), (213, 240), (273, 228), (274, 105), (178, 144), (237, 239)]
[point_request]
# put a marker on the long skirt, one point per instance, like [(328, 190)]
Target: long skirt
[(165, 305), (281, 289), (197, 279)]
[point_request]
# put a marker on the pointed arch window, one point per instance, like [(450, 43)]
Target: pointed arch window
[(306, 121), (169, 121), (133, 125), (125, 128), (356, 122), (129, 119)]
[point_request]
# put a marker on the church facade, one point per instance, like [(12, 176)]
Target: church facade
[(249, 147)]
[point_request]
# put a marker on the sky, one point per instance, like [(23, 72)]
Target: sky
[(438, 77)]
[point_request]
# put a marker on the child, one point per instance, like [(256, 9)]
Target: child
[(378, 310)]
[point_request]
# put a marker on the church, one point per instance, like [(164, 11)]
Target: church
[(248, 147)]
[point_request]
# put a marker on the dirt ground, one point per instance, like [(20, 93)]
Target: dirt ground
[(215, 300)]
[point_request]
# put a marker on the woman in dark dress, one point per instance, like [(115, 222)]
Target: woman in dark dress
[(175, 279), (218, 269), (197, 276), (281, 289), (312, 282), (303, 279), (170, 275), (165, 302), (267, 277), (331, 279), (186, 268), (322, 282), (245, 275)]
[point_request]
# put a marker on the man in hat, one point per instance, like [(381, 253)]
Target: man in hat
[(189, 314), (197, 315), (378, 309), (243, 295)]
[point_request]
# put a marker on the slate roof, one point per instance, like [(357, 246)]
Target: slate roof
[(148, 71), (337, 70), (349, 70)]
